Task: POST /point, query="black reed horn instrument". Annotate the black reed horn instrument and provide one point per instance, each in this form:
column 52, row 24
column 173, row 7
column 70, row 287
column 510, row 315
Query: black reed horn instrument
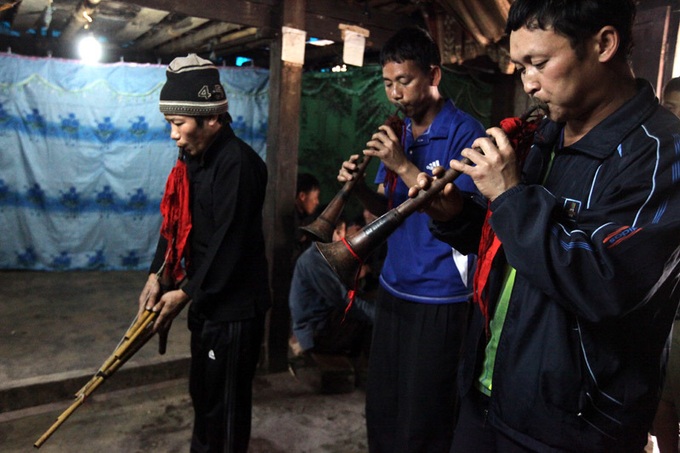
column 321, row 229
column 346, row 257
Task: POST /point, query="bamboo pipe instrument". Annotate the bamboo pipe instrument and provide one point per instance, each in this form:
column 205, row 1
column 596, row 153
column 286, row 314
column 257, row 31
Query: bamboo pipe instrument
column 135, row 337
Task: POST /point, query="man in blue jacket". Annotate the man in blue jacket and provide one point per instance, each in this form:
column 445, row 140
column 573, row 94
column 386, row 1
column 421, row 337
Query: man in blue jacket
column 564, row 349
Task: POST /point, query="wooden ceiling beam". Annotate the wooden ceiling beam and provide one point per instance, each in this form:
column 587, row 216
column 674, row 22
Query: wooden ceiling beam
column 321, row 18
column 324, row 17
column 198, row 40
column 31, row 12
column 243, row 12
column 342, row 12
column 145, row 19
column 167, row 34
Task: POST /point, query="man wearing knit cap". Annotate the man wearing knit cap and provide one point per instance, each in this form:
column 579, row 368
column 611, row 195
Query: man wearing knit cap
column 224, row 258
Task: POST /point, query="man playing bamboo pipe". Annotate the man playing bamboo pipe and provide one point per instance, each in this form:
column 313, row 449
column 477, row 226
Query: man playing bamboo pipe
column 226, row 269
column 420, row 308
column 563, row 351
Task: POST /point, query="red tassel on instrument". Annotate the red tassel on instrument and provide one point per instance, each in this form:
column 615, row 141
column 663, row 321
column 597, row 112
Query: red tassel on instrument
column 520, row 131
column 351, row 294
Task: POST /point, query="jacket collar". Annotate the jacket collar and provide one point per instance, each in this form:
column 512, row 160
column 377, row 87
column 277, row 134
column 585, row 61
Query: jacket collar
column 604, row 138
column 225, row 133
column 440, row 126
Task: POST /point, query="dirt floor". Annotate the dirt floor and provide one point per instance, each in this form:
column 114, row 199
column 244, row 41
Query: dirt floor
column 56, row 330
column 287, row 417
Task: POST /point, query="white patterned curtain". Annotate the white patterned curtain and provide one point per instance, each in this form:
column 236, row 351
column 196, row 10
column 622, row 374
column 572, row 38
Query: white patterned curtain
column 84, row 155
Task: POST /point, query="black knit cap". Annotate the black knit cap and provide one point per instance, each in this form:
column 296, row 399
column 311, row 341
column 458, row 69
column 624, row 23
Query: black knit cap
column 193, row 88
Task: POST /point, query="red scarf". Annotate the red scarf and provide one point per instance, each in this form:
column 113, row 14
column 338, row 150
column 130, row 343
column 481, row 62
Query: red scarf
column 176, row 220
column 520, row 131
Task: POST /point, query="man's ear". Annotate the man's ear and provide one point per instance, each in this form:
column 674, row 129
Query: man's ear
column 608, row 42
column 300, row 197
column 213, row 120
column 435, row 75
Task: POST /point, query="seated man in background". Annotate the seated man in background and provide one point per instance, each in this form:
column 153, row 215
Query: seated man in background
column 307, row 194
column 326, row 334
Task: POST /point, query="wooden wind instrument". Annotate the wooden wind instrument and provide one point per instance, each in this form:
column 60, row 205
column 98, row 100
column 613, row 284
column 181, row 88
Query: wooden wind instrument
column 346, row 257
column 137, row 335
column 321, row 229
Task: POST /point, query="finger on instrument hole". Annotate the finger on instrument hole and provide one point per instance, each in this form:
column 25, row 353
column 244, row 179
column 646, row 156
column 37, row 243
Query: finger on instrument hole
column 413, row 191
column 498, row 136
column 389, row 132
column 423, row 181
column 438, row 171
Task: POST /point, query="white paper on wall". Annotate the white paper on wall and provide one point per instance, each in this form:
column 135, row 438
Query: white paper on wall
column 293, row 50
column 353, row 50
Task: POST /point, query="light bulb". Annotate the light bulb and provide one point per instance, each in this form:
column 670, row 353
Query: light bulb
column 89, row 49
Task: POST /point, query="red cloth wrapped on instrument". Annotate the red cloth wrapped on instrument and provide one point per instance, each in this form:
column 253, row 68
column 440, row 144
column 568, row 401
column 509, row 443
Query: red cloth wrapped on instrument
column 176, row 220
column 520, row 131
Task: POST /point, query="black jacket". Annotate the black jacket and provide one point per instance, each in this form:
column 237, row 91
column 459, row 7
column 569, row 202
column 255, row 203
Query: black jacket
column 596, row 249
column 227, row 273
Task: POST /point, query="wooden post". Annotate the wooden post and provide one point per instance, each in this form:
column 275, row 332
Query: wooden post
column 282, row 161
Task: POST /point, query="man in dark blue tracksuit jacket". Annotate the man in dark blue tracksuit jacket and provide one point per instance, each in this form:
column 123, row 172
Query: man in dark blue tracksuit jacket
column 581, row 295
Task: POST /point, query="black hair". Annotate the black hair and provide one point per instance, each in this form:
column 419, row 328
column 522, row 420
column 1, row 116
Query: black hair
column 222, row 118
column 306, row 182
column 357, row 220
column 411, row 43
column 671, row 86
column 577, row 20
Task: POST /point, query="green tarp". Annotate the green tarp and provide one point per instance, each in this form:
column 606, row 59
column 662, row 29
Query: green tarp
column 340, row 112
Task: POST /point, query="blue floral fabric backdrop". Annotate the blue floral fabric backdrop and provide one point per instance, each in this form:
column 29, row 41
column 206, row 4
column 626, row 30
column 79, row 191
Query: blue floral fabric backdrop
column 84, row 156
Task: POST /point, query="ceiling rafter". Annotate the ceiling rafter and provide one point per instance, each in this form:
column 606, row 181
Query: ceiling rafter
column 200, row 39
column 159, row 30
